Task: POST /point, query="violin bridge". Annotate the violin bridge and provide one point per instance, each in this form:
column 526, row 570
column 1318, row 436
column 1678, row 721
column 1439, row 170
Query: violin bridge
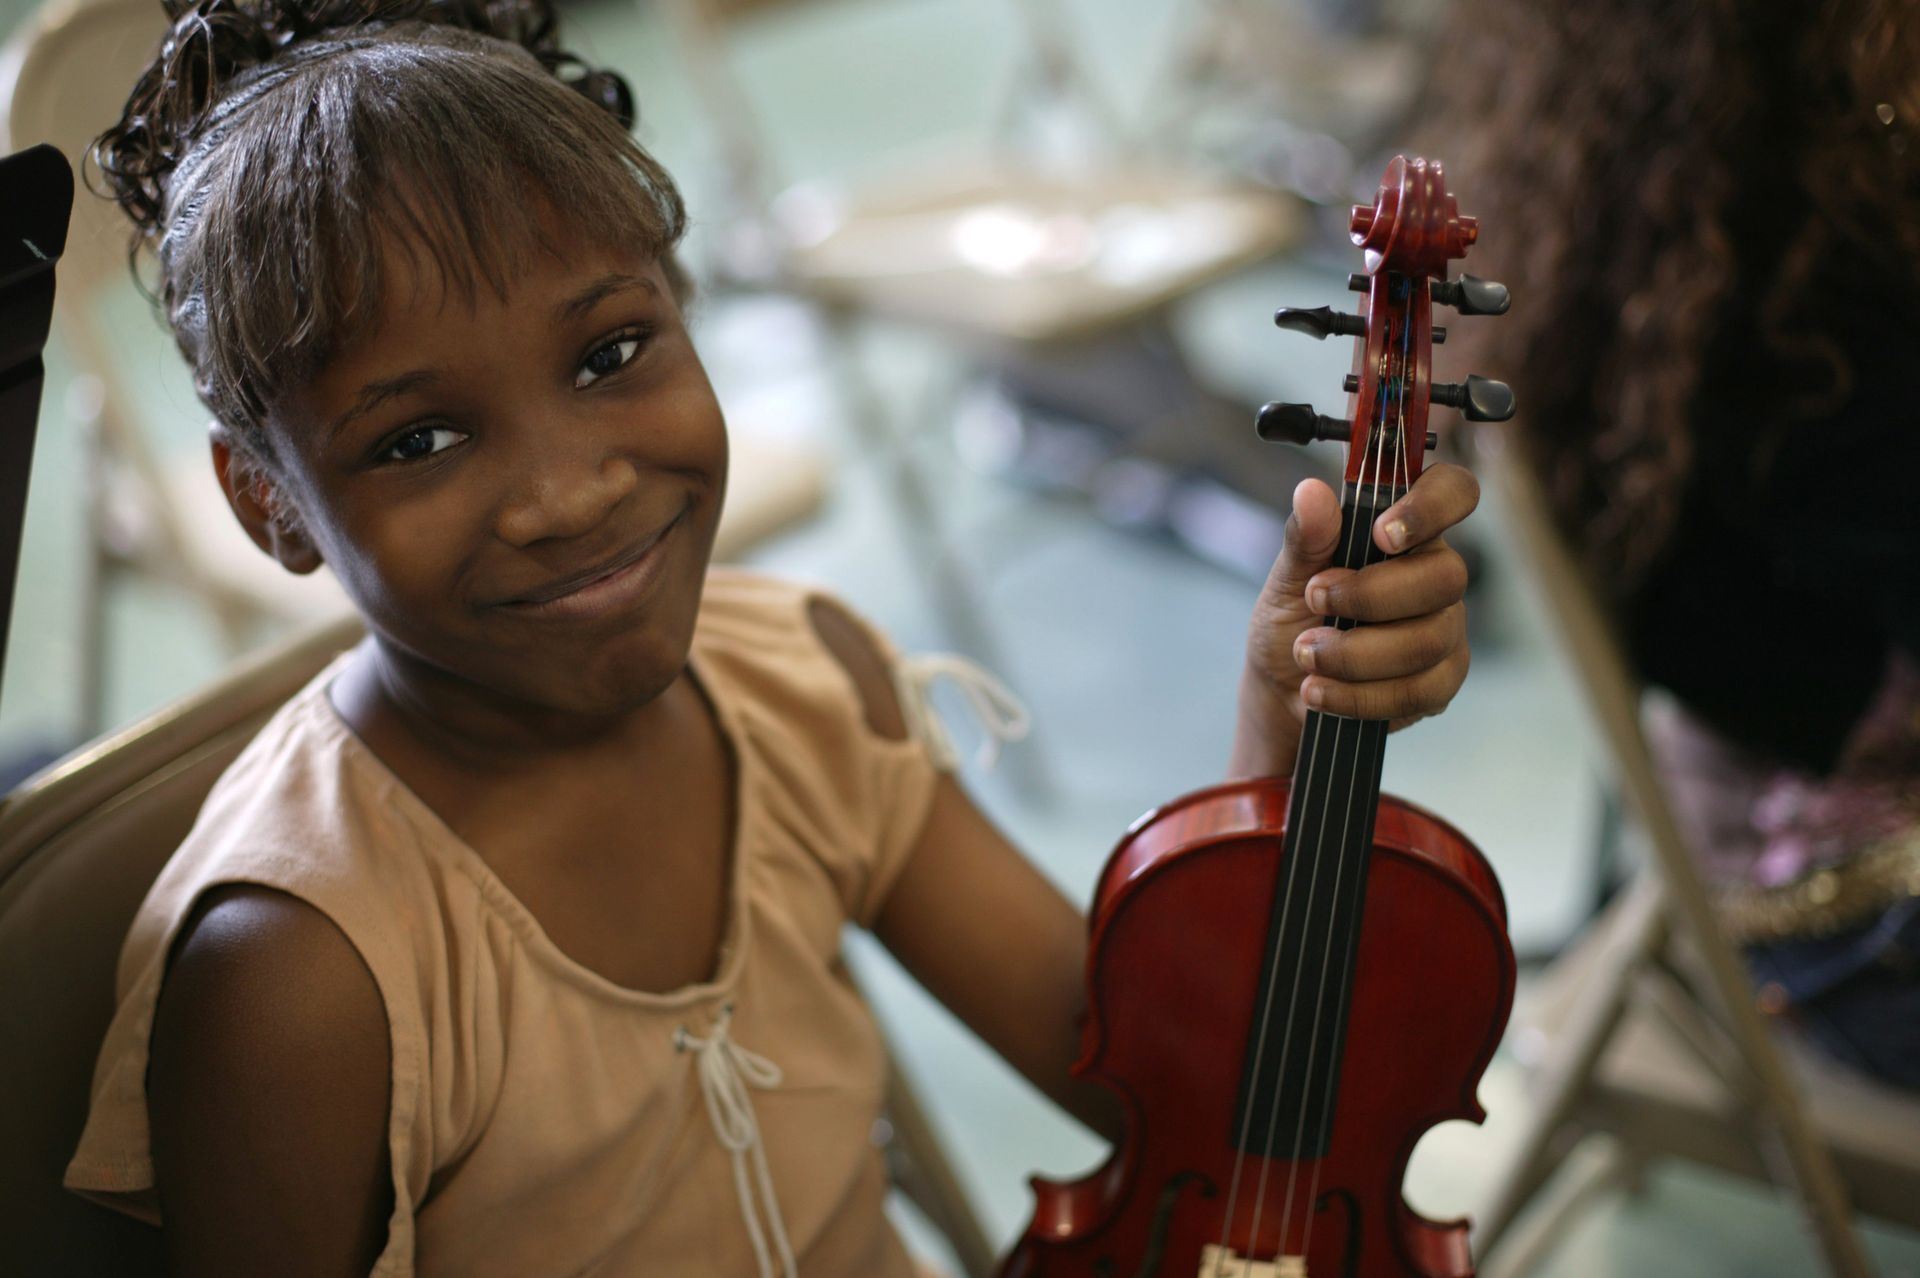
column 1224, row 1262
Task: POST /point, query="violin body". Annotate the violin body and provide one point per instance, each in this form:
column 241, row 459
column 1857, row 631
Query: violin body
column 1290, row 982
column 1178, row 933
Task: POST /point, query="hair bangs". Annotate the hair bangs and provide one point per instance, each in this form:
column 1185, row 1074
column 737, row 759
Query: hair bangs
column 430, row 153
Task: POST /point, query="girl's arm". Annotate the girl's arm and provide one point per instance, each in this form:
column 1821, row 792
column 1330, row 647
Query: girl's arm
column 268, row 1087
column 994, row 940
column 990, row 937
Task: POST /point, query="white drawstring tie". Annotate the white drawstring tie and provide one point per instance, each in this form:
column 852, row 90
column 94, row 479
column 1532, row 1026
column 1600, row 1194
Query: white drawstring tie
column 726, row 1071
column 1000, row 713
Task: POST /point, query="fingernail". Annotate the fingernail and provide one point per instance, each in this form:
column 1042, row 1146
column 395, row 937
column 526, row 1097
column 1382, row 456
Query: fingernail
column 1303, row 655
column 1313, row 693
column 1317, row 598
column 1397, row 534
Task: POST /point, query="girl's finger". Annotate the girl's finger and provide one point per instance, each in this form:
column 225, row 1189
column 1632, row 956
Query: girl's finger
column 1442, row 497
column 1312, row 536
column 1391, row 650
column 1427, row 579
column 1393, row 699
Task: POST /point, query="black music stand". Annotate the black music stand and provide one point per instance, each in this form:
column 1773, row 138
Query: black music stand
column 36, row 197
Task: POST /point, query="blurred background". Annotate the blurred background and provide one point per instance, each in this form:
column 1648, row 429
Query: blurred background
column 1013, row 421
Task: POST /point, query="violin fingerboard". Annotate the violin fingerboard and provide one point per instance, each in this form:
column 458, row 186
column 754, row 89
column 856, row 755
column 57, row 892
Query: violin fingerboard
column 1296, row 1035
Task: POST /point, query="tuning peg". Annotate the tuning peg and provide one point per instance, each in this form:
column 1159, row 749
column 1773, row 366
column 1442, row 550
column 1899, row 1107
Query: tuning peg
column 1359, row 283
column 1439, row 335
column 1352, row 384
column 1473, row 296
column 1479, row 399
column 1298, row 424
column 1320, row 321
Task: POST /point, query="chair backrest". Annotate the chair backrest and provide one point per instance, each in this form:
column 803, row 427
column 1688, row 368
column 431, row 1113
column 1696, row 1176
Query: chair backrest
column 79, row 845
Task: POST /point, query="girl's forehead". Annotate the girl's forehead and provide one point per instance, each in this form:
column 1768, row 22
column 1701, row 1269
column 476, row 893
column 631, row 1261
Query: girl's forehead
column 428, row 273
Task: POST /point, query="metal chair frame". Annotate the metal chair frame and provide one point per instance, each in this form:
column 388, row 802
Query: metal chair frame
column 1658, row 956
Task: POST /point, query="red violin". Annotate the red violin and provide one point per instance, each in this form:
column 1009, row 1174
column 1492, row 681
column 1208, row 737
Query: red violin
column 1289, row 983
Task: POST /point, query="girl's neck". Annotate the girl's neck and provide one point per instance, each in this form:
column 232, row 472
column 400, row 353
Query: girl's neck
column 398, row 704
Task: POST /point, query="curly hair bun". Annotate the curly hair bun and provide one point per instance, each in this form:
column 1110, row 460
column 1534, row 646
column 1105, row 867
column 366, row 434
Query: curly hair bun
column 214, row 46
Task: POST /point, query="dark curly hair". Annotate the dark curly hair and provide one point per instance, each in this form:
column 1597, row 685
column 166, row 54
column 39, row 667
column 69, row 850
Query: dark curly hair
column 275, row 150
column 1663, row 176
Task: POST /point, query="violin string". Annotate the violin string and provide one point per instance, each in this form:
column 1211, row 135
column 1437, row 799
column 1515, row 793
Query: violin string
column 1294, row 870
column 1400, row 470
column 1340, row 858
column 1316, row 858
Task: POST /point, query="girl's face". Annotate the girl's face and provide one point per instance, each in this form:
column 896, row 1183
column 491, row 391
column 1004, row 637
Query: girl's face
column 521, row 492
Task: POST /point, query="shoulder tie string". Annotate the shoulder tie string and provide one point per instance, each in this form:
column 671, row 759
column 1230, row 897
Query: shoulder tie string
column 726, row 1070
column 1000, row 713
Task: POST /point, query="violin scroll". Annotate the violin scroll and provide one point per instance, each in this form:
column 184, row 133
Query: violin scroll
column 1409, row 235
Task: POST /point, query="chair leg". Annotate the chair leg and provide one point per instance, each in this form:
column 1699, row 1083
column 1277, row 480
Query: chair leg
column 1795, row 1151
column 1792, row 1149
column 1574, row 1052
column 1595, row 1168
column 926, row 1176
column 94, row 655
column 910, row 494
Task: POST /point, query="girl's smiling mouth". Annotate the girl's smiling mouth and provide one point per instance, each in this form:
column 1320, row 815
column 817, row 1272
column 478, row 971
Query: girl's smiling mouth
column 603, row 589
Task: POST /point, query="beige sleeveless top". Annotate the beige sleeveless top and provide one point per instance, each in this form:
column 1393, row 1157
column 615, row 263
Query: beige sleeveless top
column 545, row 1121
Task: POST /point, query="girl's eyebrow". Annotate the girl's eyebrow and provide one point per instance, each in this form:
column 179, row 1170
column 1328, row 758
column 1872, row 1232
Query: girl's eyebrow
column 374, row 394
column 598, row 291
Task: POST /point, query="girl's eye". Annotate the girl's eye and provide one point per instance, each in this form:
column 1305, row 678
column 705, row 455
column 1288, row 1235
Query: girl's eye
column 608, row 358
column 422, row 442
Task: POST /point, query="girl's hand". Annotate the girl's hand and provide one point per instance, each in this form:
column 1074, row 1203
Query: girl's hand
column 1405, row 664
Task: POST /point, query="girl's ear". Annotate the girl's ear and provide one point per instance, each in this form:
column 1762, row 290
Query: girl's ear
column 259, row 505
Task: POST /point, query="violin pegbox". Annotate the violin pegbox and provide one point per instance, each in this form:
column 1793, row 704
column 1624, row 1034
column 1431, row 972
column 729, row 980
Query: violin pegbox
column 1408, row 235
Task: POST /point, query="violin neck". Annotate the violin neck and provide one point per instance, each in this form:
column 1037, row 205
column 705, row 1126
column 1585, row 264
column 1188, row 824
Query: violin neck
column 1290, row 1080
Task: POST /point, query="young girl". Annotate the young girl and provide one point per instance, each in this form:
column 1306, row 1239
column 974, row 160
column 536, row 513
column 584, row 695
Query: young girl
column 510, row 946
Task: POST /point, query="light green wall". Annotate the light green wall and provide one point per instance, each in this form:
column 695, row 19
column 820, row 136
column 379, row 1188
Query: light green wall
column 11, row 14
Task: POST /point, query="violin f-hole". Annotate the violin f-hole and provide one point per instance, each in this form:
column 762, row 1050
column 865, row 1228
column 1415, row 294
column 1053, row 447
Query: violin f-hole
column 1156, row 1248
column 1350, row 1267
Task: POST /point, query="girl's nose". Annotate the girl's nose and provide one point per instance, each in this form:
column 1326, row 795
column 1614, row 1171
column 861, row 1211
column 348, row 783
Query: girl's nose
column 563, row 500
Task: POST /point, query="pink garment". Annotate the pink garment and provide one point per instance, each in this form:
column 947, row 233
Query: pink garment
column 1755, row 822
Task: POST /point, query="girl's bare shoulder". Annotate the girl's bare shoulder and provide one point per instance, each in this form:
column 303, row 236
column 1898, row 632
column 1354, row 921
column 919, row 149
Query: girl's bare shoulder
column 268, row 1091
